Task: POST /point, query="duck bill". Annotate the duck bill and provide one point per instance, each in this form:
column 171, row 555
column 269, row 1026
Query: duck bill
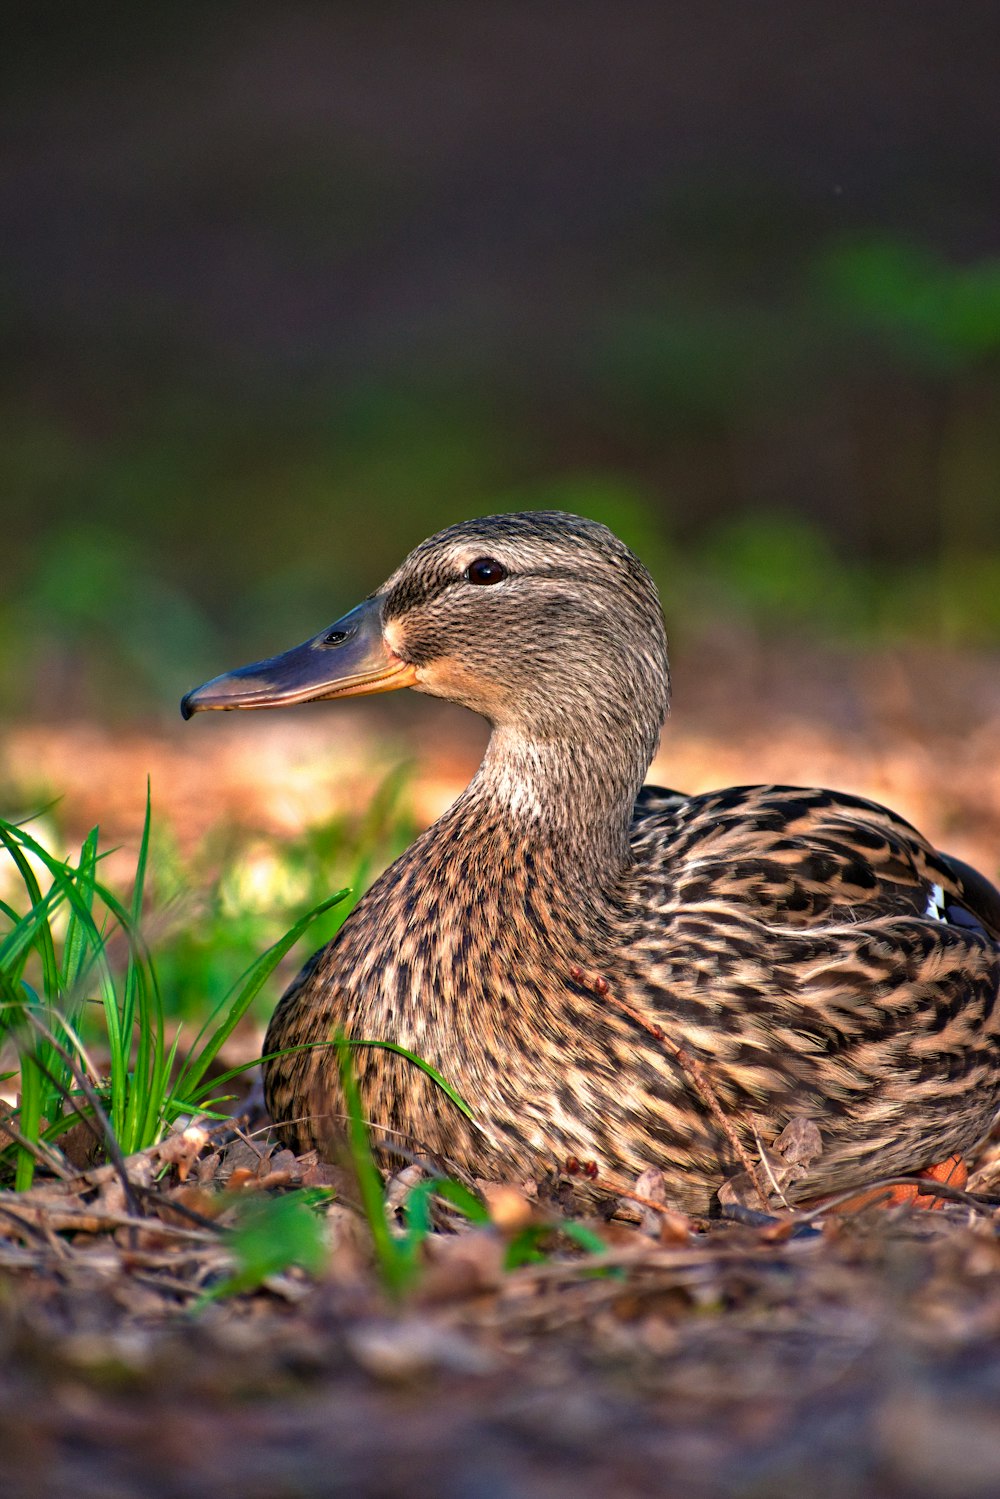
column 348, row 659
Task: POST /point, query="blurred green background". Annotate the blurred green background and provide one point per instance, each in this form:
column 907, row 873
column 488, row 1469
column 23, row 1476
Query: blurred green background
column 285, row 287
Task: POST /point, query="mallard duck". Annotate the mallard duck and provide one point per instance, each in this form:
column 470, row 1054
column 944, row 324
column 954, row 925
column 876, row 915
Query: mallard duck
column 609, row 973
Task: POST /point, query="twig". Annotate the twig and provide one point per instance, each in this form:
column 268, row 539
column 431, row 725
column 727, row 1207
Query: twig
column 45, row 1210
column 39, row 1230
column 248, row 1141
column 762, row 1153
column 167, row 1283
column 159, row 1153
column 926, row 1186
column 158, row 1200
column 40, row 1149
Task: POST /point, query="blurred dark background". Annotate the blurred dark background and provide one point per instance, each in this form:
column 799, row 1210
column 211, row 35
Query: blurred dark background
column 284, row 287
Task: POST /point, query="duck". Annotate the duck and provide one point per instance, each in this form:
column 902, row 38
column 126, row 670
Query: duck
column 614, row 976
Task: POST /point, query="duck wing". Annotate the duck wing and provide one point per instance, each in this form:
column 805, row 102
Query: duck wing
column 803, row 858
column 823, row 960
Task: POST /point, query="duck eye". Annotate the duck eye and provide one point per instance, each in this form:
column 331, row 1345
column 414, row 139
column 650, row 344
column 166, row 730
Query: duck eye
column 485, row 570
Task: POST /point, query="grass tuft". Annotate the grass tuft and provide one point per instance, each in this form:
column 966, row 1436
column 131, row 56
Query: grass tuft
column 77, row 981
column 83, row 1020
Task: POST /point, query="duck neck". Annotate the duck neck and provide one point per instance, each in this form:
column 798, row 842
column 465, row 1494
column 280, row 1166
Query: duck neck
column 567, row 801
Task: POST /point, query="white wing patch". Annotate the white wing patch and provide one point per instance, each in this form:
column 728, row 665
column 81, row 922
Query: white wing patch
column 935, row 904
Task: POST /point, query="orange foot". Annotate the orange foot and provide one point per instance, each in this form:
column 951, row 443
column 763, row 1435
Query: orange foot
column 953, row 1172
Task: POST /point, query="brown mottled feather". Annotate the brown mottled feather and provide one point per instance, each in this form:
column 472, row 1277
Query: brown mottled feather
column 780, row 935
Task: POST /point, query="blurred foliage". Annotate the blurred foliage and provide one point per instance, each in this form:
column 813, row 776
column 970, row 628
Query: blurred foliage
column 941, row 317
column 217, row 909
column 151, row 546
column 75, row 976
column 271, row 1235
column 77, row 971
column 212, row 911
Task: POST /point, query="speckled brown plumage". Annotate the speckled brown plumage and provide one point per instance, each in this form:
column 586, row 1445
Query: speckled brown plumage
column 809, row 948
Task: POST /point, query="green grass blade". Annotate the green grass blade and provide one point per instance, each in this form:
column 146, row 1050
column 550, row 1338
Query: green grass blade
column 271, row 1235
column 29, row 1120
column 127, row 1086
column 394, row 1262
column 75, row 945
column 418, row 1213
column 425, row 1067
column 18, row 945
column 42, row 942
column 12, row 1000
column 200, row 1057
column 460, row 1197
column 34, row 931
column 219, row 1079
column 132, row 973
column 162, row 1106
column 142, row 1006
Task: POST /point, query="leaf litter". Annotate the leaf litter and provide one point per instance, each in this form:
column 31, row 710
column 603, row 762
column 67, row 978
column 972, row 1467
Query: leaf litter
column 234, row 1335
column 729, row 1357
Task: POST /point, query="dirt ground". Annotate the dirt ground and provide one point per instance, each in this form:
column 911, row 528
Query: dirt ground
column 859, row 1357
column 862, row 1359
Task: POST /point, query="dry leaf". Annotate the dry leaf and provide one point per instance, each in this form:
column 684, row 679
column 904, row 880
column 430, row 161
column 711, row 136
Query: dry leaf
column 800, row 1143
column 461, row 1265
column 509, row 1209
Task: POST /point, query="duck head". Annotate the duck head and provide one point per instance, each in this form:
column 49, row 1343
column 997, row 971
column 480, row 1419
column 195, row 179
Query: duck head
column 544, row 623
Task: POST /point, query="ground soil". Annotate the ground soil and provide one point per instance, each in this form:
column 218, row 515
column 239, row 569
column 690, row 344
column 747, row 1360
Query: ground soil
column 859, row 1357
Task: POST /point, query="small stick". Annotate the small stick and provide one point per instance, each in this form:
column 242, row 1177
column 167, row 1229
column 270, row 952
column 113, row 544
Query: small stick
column 43, row 1153
column 926, row 1186
column 762, row 1153
column 29, row 1228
